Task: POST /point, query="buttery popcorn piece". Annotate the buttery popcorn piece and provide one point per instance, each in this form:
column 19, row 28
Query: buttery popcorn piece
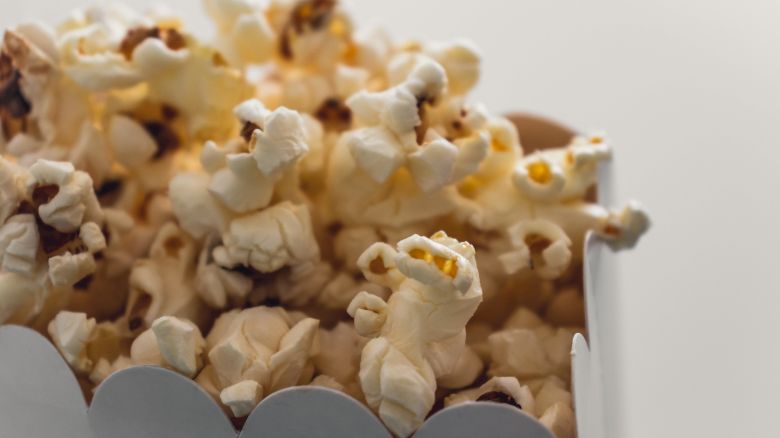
column 436, row 290
column 262, row 345
column 170, row 342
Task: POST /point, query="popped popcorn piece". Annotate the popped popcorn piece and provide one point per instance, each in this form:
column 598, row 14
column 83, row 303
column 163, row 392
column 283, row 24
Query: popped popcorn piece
column 559, row 418
column 311, row 32
column 218, row 286
column 19, row 241
column 538, row 245
column 398, row 128
column 528, row 348
column 435, row 291
column 71, row 332
column 270, row 239
column 170, row 342
column 73, row 201
column 506, row 390
column 278, row 142
column 461, row 60
column 338, row 357
column 327, row 382
column 67, row 269
column 20, row 298
column 111, row 49
column 242, row 397
column 198, row 212
column 552, row 392
column 43, row 255
column 567, row 308
column 244, row 34
column 467, row 369
column 262, row 345
column 104, row 368
column 163, row 284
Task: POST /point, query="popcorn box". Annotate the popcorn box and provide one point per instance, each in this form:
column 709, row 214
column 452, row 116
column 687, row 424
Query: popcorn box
column 40, row 396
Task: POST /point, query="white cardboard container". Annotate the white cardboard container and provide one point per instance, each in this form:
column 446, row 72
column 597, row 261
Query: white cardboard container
column 40, row 397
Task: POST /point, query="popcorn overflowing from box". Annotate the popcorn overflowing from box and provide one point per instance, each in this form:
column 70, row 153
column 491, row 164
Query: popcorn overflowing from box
column 297, row 202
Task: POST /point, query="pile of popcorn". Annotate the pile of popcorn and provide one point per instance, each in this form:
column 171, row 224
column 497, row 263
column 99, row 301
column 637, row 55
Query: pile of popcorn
column 297, row 202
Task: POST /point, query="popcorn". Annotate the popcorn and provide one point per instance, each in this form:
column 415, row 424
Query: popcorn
column 527, row 348
column 260, row 345
column 163, row 284
column 435, row 291
column 560, row 420
column 88, row 346
column 170, row 342
column 20, row 298
column 338, row 359
column 218, row 286
column 461, row 60
column 71, row 197
column 244, row 33
column 220, row 208
column 19, row 241
column 67, row 269
column 242, row 397
column 506, row 390
column 70, row 333
column 538, row 245
column 467, row 369
column 268, row 240
column 50, row 236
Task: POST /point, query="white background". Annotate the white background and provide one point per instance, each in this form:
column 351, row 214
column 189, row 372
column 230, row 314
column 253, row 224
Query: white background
column 689, row 92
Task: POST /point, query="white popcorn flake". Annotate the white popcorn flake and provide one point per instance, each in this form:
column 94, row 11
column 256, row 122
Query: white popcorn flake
column 539, row 178
column 131, row 143
column 20, row 298
column 280, row 143
column 551, row 393
column 626, row 226
column 92, row 236
column 74, row 201
column 271, row 238
column 432, row 166
column 241, row 186
column 19, row 241
column 461, row 59
column 538, row 245
column 520, row 353
column 242, row 397
column 68, row 269
column 180, row 344
column 506, row 390
column 374, row 150
column 559, row 418
column 162, row 284
column 198, row 211
column 262, row 345
column 71, row 332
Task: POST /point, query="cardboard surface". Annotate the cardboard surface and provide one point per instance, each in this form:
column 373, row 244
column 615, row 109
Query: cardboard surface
column 148, row 401
column 39, row 395
column 481, row 419
column 312, row 412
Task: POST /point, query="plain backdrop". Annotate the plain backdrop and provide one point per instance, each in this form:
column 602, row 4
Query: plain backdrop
column 689, row 93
